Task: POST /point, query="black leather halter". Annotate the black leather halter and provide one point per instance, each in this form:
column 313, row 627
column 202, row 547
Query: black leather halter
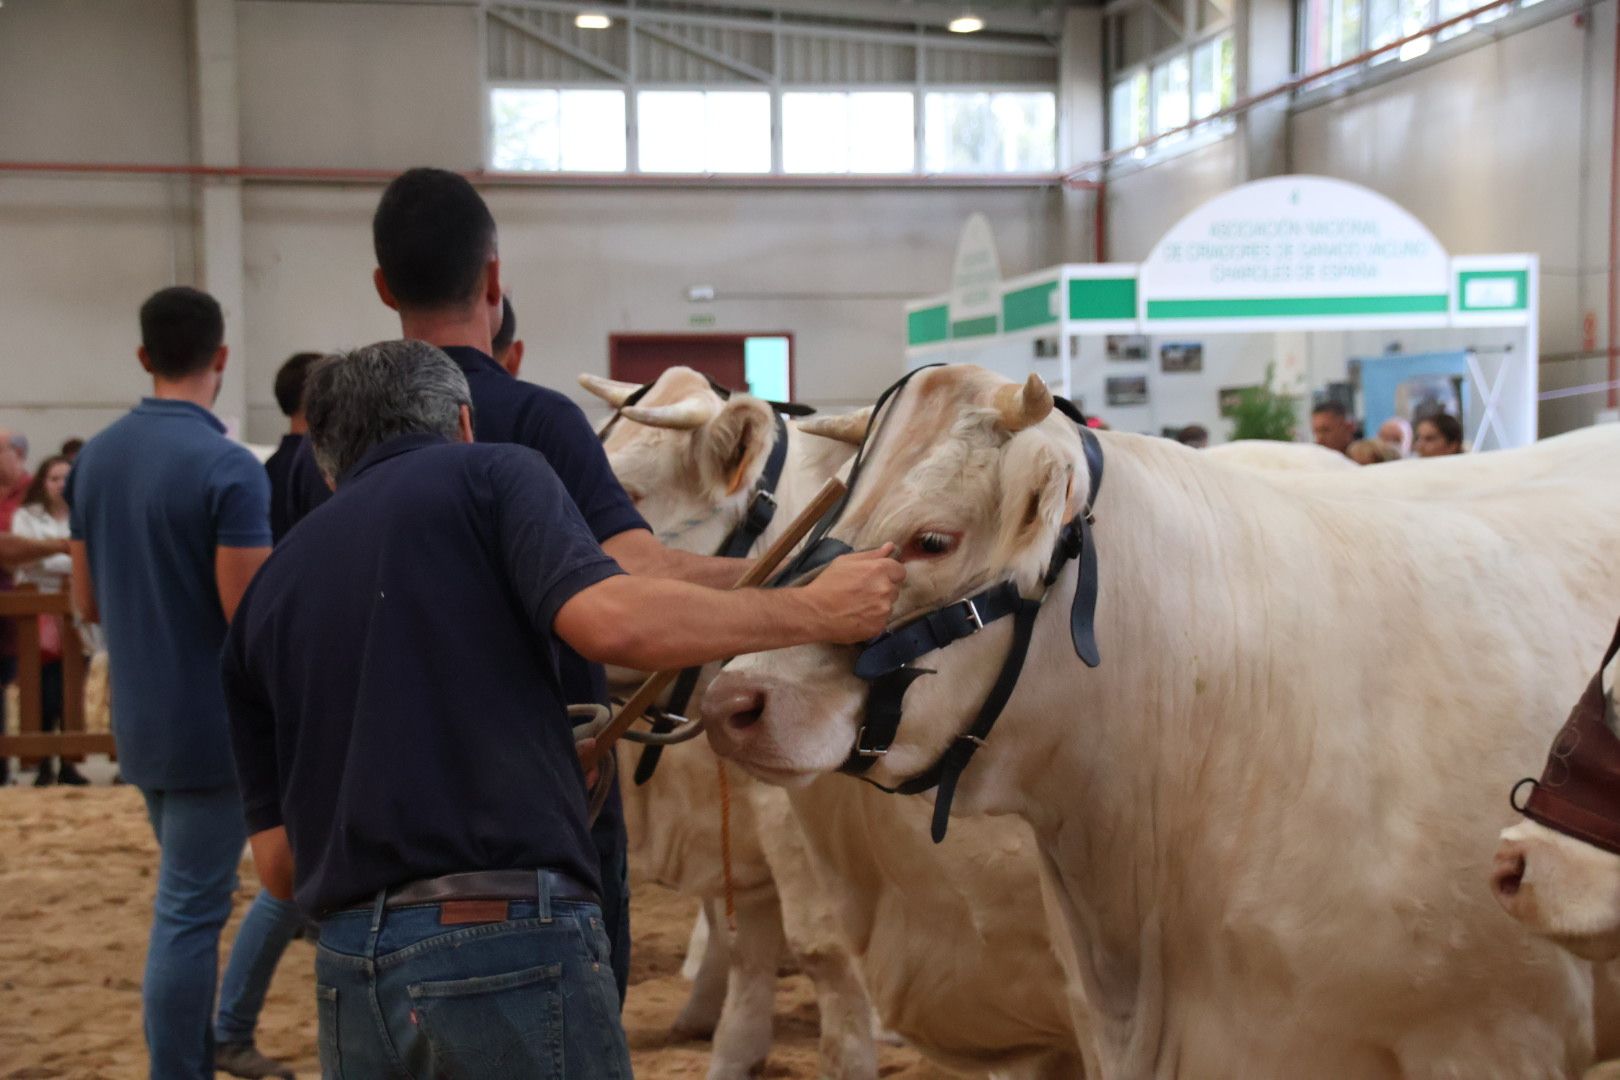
column 755, row 520
column 885, row 662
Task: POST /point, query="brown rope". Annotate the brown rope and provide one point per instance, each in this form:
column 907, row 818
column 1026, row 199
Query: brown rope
column 725, row 847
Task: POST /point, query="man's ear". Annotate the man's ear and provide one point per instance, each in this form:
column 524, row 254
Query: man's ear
column 465, row 422
column 144, row 358
column 493, row 296
column 384, row 293
column 736, row 443
column 220, row 356
column 514, row 358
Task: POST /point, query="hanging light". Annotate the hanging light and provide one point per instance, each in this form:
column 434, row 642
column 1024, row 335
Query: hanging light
column 965, row 23
column 592, row 20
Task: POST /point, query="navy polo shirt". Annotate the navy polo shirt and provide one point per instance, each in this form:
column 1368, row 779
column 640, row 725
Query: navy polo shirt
column 306, row 486
column 280, row 467
column 392, row 678
column 153, row 497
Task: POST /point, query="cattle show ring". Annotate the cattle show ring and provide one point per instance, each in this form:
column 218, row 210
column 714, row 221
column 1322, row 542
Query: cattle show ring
column 872, row 539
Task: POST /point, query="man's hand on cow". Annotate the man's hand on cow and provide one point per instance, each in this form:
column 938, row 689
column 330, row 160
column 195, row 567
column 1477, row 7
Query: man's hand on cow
column 855, row 594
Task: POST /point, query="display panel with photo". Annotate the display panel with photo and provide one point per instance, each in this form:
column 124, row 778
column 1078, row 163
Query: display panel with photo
column 1127, row 390
column 1230, row 397
column 1126, row 347
column 1181, row 356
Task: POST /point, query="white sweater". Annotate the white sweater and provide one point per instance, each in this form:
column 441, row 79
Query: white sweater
column 48, row 574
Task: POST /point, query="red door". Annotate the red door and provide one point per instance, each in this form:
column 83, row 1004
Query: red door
column 641, row 358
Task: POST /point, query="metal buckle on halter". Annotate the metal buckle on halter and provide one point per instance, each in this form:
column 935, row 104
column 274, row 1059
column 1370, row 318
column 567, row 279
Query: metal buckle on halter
column 863, row 751
column 972, row 612
column 761, row 509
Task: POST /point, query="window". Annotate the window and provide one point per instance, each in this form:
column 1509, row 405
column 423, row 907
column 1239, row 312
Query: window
column 1333, row 31
column 987, row 132
column 1188, row 84
column 551, row 130
column 863, row 132
column 1128, row 115
column 703, row 131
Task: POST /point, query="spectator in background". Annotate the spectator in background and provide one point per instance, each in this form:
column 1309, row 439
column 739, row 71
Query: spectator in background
column 1397, row 433
column 1193, row 435
column 43, row 515
column 1371, row 452
column 170, row 521
column 1438, row 436
column 16, row 551
column 70, row 449
column 508, row 347
column 290, row 397
column 1332, row 426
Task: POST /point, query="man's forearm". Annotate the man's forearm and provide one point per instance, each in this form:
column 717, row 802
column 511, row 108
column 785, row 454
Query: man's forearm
column 655, row 624
column 272, row 858
column 641, row 553
column 18, row 551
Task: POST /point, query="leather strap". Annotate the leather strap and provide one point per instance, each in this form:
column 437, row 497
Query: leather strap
column 936, row 629
column 484, row 885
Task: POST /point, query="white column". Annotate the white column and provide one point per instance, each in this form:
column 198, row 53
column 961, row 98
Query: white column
column 219, row 201
column 1081, row 133
column 1264, row 37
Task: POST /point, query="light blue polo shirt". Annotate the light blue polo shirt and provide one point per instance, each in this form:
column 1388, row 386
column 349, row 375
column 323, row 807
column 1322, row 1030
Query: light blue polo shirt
column 152, row 497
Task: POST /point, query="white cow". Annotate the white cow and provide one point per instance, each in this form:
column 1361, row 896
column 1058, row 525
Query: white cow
column 952, row 943
column 1267, row 815
column 1269, row 455
column 1560, row 887
column 690, row 461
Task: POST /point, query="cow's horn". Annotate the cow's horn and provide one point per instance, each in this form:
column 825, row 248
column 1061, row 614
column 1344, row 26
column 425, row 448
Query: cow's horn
column 685, row 415
column 1024, row 406
column 612, row 391
column 847, row 427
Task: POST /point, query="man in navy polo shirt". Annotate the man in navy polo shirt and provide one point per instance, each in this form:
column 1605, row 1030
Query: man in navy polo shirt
column 289, row 389
column 170, row 520
column 408, row 769
column 438, row 266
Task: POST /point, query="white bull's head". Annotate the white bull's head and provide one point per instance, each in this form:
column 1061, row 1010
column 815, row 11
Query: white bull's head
column 1559, row 887
column 972, row 477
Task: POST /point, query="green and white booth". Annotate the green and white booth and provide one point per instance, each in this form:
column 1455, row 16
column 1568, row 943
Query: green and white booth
column 1330, row 284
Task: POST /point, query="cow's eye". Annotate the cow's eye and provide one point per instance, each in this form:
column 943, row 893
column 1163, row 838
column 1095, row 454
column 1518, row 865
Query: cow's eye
column 930, row 544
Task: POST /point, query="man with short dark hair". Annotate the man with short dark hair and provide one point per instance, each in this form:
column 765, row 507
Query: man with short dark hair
column 1332, row 426
column 289, row 388
column 1193, row 435
column 438, row 266
column 170, row 521
column 408, row 770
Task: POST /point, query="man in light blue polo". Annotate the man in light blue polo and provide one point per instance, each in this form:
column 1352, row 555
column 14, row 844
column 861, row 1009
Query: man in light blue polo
column 170, row 521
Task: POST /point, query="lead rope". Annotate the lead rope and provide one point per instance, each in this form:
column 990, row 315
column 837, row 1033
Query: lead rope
column 725, row 847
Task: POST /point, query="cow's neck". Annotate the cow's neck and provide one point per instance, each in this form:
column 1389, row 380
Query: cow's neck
column 1138, row 776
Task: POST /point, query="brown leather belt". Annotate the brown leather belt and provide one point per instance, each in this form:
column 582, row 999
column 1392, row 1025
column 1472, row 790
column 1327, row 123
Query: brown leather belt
column 486, row 885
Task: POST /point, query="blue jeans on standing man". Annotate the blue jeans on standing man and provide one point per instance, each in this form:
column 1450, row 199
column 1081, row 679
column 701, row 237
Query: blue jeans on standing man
column 200, row 836
column 400, row 995
column 266, row 930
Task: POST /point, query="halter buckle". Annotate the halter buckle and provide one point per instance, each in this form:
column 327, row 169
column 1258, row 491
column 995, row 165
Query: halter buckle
column 972, row 610
column 861, row 750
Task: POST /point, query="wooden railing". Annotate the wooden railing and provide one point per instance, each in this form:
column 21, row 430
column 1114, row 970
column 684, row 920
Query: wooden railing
column 23, row 607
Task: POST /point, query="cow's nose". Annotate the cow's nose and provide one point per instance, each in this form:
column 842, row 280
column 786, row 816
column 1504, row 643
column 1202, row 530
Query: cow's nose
column 731, row 708
column 1507, row 875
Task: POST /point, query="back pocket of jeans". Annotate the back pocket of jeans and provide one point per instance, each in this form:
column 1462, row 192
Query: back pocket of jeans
column 326, row 1017
column 494, row 1025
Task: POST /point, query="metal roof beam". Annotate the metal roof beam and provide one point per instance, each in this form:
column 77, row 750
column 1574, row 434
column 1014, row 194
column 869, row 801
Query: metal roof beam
column 551, row 41
column 703, row 52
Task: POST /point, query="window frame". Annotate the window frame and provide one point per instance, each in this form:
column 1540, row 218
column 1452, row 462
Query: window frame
column 918, row 89
column 1512, row 17
column 1207, row 131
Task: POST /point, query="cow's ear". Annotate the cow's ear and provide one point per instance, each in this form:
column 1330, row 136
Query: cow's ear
column 1037, row 482
column 736, row 444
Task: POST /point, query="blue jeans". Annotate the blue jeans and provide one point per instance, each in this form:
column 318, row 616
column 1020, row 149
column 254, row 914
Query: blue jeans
column 399, row 995
column 266, row 930
column 200, row 836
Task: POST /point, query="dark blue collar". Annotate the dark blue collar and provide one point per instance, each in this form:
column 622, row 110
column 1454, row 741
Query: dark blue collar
column 170, row 407
column 472, row 360
column 391, row 448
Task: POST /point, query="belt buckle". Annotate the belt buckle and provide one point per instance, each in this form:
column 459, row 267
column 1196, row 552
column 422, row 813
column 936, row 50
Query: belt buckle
column 865, row 751
column 972, row 612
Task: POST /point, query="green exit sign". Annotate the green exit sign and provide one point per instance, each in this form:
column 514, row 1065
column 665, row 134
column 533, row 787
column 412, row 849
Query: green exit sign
column 705, row 319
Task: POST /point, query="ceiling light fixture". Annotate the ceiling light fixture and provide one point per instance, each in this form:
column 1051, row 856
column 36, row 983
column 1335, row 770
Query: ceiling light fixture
column 592, row 20
column 966, row 23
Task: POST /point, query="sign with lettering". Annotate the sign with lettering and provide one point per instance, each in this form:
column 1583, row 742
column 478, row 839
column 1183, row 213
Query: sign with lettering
column 976, row 281
column 1309, row 248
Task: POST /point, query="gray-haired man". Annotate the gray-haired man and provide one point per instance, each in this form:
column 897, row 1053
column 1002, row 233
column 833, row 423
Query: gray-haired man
column 408, row 770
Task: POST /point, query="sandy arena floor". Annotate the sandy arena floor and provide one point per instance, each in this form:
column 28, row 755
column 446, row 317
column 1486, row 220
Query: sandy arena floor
column 76, row 881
